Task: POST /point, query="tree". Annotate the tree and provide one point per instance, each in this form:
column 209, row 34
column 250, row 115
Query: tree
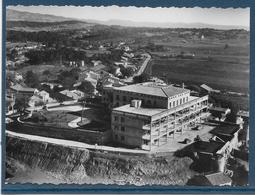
column 87, row 87
column 21, row 104
column 31, row 79
column 126, row 71
column 144, row 77
column 234, row 109
column 68, row 78
column 46, row 72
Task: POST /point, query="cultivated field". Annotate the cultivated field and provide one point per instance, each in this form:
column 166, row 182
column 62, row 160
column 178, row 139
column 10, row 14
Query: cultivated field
column 223, row 64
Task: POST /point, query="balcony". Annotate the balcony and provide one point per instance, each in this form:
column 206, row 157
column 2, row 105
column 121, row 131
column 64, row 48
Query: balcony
column 145, row 147
column 146, row 127
column 146, row 136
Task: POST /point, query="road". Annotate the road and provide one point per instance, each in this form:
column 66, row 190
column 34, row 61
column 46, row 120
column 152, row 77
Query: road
column 68, row 143
column 144, row 65
column 141, row 69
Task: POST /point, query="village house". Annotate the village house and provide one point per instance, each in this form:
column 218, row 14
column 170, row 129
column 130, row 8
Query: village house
column 219, row 113
column 74, row 94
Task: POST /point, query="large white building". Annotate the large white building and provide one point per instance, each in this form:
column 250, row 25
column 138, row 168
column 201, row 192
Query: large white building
column 147, row 115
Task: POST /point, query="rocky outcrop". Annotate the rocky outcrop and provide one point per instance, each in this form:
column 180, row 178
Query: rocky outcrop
column 76, row 165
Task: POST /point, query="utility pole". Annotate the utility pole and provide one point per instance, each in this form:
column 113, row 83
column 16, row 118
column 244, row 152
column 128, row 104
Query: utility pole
column 83, row 109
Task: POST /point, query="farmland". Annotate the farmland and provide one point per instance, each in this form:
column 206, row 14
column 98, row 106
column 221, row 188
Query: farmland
column 222, row 64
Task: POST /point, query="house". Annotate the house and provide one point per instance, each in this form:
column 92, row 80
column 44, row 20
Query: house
column 45, row 96
column 96, row 62
column 219, row 113
column 74, row 94
column 212, row 179
column 117, row 71
column 21, row 91
column 215, row 152
column 35, row 100
column 206, row 89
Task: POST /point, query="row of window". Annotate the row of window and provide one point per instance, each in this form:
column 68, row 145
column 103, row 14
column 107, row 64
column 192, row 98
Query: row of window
column 149, row 102
column 116, row 118
column 178, row 102
column 139, row 94
column 116, row 128
column 121, row 138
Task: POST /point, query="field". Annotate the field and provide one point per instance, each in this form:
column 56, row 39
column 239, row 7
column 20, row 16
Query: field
column 39, row 69
column 222, row 64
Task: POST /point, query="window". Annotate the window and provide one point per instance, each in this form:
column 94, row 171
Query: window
column 116, row 137
column 170, row 105
column 124, row 98
column 183, row 100
column 122, row 138
column 122, row 119
column 173, row 103
column 122, row 128
column 186, row 99
column 146, row 142
column 115, row 118
column 117, row 97
column 180, row 101
column 116, row 127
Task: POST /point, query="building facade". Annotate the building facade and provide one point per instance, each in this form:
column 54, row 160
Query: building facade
column 155, row 115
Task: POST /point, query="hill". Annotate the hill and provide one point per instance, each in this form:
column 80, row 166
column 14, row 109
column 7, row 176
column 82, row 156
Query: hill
column 13, row 15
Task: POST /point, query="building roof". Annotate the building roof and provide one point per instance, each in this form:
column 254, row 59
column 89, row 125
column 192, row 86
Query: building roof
column 209, row 147
column 206, row 87
column 225, row 129
column 243, row 113
column 219, row 109
column 217, row 179
column 153, row 89
column 140, row 111
column 20, row 88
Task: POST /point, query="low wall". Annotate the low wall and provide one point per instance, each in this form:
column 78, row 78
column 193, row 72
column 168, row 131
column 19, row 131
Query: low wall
column 81, row 135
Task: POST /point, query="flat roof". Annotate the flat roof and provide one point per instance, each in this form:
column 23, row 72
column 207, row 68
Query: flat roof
column 209, row 147
column 225, row 129
column 140, row 111
column 219, row 109
column 218, row 179
column 153, row 89
column 19, row 87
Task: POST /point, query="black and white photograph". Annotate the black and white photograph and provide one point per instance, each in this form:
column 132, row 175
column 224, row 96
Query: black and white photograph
column 126, row 96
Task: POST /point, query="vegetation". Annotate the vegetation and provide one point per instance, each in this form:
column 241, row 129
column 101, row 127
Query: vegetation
column 31, row 79
column 87, row 88
column 142, row 78
column 21, row 103
column 68, row 78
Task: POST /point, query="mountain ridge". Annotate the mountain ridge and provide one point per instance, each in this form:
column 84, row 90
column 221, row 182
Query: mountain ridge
column 14, row 15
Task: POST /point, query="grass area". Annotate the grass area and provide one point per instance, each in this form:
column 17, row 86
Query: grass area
column 39, row 69
column 52, row 118
column 213, row 64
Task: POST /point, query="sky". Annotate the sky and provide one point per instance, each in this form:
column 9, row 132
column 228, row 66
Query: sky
column 218, row 16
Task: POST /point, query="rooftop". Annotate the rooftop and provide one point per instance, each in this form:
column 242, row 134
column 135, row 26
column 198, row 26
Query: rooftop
column 217, row 179
column 20, row 88
column 226, row 129
column 209, row 147
column 153, row 89
column 140, row 111
column 219, row 109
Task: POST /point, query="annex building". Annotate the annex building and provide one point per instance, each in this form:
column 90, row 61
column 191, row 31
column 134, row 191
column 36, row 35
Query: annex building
column 147, row 115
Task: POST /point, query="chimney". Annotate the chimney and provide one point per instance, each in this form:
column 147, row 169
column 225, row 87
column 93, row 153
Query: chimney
column 136, row 103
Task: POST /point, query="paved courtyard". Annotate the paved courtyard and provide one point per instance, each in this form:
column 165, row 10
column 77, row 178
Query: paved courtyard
column 175, row 143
